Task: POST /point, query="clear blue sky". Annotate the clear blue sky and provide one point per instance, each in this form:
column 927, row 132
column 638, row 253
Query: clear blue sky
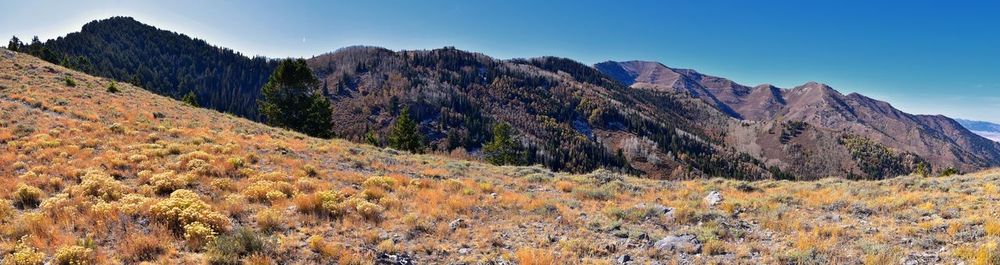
column 929, row 57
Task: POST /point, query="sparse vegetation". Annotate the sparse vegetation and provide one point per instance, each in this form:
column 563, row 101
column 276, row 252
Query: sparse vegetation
column 113, row 87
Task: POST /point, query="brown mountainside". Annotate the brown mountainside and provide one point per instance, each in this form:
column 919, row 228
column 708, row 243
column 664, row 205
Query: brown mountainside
column 937, row 139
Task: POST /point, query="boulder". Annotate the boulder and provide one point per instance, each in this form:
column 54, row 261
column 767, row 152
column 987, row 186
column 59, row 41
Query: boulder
column 714, row 198
column 684, row 244
column 393, row 259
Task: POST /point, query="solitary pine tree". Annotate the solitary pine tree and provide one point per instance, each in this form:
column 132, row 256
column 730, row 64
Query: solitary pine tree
column 291, row 100
column 502, row 150
column 404, row 134
column 191, row 99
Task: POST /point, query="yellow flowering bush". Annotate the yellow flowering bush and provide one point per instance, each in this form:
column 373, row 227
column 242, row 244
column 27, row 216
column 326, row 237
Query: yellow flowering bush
column 197, row 234
column 185, row 207
column 266, row 190
column 169, row 181
column 100, row 185
column 74, row 255
column 24, row 255
column 26, row 196
column 386, row 183
column 369, row 211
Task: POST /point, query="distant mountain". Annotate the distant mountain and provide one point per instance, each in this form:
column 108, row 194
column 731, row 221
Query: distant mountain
column 986, row 129
column 938, row 139
column 165, row 62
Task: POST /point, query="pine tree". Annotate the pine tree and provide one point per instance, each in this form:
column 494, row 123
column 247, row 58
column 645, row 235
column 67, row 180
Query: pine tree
column 404, row 134
column 14, row 44
column 371, row 139
column 502, row 150
column 191, row 99
column 291, row 100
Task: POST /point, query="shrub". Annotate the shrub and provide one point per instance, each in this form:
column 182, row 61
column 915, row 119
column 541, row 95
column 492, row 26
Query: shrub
column 385, row 183
column 199, row 166
column 101, row 185
column 167, row 182
column 197, row 234
column 992, row 228
column 269, row 220
column 949, row 171
column 593, row 193
column 6, row 211
column 113, row 88
column 134, row 204
column 370, row 211
column 565, row 185
column 139, row 247
column 183, row 208
column 325, row 250
column 24, row 255
column 74, row 255
column 229, row 249
column 266, row 190
column 531, row 256
column 69, row 81
column 26, row 196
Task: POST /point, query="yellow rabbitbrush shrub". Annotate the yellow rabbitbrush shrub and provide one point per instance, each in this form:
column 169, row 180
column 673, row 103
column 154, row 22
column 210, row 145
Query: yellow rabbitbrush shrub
column 24, row 255
column 100, row 185
column 183, row 208
column 385, row 183
column 197, row 234
column 323, row 203
column 266, row 190
column 169, row 181
column 26, row 196
column 74, row 255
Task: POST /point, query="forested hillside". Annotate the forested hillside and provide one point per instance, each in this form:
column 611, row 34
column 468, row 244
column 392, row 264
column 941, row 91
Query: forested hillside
column 165, row 62
column 567, row 115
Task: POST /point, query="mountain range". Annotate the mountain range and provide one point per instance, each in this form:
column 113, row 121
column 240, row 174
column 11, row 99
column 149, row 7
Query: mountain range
column 983, row 128
column 635, row 116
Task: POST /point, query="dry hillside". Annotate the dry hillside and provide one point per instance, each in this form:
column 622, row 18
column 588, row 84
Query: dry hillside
column 97, row 172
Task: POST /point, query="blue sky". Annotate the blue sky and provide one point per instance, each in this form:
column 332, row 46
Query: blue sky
column 928, row 57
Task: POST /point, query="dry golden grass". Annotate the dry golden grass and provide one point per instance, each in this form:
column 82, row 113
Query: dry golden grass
column 132, row 177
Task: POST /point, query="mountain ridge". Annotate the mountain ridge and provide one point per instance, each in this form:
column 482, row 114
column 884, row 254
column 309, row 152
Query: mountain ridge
column 821, row 105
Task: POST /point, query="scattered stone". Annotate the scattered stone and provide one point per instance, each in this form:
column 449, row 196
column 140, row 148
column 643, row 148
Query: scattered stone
column 714, row 198
column 624, row 259
column 684, row 243
column 393, row 259
column 833, row 217
column 8, row 54
column 457, row 223
column 464, row 251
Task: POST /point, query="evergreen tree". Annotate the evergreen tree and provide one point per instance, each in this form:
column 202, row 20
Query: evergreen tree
column 502, row 150
column 371, row 139
column 291, row 100
column 191, row 99
column 14, row 44
column 404, row 134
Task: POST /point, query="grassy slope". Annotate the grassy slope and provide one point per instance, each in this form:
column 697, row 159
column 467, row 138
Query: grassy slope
column 104, row 165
